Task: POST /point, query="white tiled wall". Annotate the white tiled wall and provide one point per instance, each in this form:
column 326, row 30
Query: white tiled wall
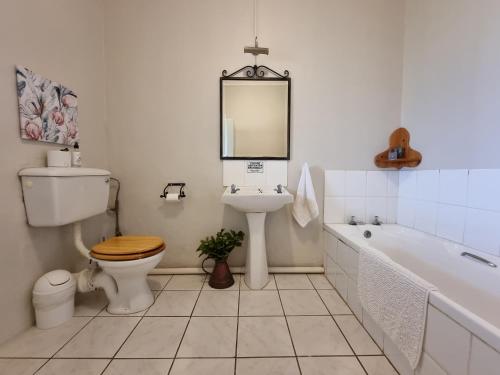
column 459, row 205
column 235, row 172
column 363, row 194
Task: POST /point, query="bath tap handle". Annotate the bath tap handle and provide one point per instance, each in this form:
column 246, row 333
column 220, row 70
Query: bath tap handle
column 353, row 221
column 279, row 189
column 376, row 221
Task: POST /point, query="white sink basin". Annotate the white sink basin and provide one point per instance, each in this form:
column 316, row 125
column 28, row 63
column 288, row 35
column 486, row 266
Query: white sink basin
column 254, row 199
column 256, row 202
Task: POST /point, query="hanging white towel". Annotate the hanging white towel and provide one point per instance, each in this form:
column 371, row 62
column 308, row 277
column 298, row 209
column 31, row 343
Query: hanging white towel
column 396, row 299
column 305, row 207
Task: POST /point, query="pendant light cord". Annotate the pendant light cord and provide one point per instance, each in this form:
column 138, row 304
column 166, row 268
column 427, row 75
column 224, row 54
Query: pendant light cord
column 255, row 19
column 255, row 26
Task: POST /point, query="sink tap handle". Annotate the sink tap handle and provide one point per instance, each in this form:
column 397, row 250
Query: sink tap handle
column 234, row 189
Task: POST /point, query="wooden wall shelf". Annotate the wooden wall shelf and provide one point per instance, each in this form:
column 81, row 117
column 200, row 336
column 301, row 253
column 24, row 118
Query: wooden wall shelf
column 399, row 138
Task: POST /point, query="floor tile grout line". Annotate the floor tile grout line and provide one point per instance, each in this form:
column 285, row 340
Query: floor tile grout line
column 237, row 325
column 67, row 341
column 133, row 329
column 361, row 364
column 338, row 326
column 209, row 357
column 71, row 338
column 340, row 329
column 288, row 326
column 187, row 325
column 43, row 364
column 170, row 279
column 225, row 316
column 356, row 317
column 375, row 355
column 130, row 333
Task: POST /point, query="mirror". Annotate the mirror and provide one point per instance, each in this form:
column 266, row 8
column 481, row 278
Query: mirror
column 255, row 118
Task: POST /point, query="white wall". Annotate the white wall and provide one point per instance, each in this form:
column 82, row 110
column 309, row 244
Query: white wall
column 62, row 40
column 164, row 60
column 452, row 82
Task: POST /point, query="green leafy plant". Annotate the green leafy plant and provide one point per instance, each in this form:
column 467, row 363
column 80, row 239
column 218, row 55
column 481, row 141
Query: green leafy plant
column 220, row 246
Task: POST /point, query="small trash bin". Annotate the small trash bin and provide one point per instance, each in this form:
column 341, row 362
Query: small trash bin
column 54, row 298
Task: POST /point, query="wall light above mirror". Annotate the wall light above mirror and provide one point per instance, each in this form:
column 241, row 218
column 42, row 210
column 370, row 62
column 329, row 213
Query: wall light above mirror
column 255, row 114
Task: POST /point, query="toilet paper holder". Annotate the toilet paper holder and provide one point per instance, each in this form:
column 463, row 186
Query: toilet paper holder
column 174, row 184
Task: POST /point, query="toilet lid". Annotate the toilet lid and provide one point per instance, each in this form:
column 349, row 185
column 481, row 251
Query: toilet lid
column 128, row 246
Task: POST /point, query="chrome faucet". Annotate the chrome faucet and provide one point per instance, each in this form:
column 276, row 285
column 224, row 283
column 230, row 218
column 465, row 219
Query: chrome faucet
column 376, row 221
column 279, row 189
column 353, row 221
column 234, row 189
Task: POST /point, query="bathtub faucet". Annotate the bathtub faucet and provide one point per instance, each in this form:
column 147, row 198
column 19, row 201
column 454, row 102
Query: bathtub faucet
column 353, row 221
column 376, row 221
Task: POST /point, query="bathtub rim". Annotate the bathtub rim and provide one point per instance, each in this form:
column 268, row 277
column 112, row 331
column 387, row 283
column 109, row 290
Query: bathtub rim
column 476, row 325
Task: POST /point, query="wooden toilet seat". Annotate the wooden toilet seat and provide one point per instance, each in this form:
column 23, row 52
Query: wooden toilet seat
column 128, row 248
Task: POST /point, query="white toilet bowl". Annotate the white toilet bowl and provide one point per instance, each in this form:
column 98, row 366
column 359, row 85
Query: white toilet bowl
column 133, row 293
column 125, row 262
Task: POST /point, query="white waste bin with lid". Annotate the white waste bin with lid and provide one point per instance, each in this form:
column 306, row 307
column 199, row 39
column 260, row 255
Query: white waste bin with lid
column 54, row 298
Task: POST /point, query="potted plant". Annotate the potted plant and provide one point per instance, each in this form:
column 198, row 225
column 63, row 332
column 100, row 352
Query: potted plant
column 218, row 248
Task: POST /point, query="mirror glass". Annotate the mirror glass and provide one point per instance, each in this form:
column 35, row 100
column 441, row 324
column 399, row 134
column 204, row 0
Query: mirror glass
column 255, row 118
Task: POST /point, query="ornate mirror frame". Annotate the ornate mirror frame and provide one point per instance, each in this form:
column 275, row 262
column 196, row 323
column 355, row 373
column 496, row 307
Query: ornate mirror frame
column 255, row 73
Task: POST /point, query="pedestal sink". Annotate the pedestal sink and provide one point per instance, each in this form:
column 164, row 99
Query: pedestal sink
column 256, row 202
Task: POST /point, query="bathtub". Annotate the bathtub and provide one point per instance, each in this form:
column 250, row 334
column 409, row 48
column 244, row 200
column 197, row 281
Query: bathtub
column 463, row 325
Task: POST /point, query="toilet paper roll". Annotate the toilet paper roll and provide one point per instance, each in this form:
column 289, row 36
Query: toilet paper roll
column 57, row 158
column 171, row 197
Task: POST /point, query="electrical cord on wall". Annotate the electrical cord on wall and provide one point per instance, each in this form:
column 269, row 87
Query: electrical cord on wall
column 116, row 208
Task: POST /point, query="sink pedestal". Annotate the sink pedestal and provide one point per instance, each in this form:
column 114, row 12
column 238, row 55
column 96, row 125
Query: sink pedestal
column 255, row 202
column 256, row 272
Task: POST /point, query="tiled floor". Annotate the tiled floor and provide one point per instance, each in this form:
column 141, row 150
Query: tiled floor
column 297, row 325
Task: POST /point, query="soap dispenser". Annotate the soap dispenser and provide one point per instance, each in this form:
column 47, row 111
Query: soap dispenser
column 76, row 157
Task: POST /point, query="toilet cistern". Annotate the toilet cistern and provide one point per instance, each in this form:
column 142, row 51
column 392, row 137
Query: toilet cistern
column 255, row 202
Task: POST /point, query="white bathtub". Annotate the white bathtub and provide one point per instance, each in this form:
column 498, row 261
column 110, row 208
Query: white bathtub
column 463, row 328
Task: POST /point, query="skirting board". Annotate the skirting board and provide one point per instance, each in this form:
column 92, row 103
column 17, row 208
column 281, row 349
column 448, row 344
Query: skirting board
column 195, row 271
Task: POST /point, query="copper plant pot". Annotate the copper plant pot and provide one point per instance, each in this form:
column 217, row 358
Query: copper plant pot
column 221, row 277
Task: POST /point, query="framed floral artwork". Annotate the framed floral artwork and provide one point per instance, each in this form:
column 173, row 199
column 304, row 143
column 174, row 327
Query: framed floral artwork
column 48, row 111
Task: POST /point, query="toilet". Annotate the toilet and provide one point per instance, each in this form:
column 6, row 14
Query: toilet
column 57, row 196
column 128, row 260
